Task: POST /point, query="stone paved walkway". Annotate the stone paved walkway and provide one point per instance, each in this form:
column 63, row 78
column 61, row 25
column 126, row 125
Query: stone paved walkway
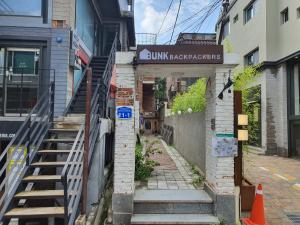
column 280, row 178
column 173, row 172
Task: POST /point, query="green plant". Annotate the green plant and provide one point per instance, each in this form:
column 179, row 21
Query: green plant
column 198, row 181
column 160, row 91
column 143, row 168
column 245, row 76
column 194, row 98
column 251, row 100
column 198, row 178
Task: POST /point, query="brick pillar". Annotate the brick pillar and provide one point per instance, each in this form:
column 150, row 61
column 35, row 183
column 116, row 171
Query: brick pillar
column 220, row 170
column 122, row 200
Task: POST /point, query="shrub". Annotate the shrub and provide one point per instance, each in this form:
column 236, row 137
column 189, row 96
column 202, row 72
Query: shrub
column 143, row 168
column 194, row 98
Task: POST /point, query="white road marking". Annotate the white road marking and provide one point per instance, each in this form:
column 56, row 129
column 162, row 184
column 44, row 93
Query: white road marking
column 282, row 177
column 263, row 168
column 296, row 186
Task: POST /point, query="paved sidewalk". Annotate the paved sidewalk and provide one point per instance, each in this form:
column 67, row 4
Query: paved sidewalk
column 173, row 172
column 280, row 178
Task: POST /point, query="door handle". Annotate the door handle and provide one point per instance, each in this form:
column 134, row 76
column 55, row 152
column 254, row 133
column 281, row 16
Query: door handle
column 9, row 73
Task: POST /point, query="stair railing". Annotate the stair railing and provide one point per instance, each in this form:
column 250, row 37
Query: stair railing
column 72, row 174
column 21, row 150
column 76, row 90
column 76, row 170
column 107, row 74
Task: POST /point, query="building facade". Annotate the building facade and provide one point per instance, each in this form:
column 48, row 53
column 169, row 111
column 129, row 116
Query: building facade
column 264, row 32
column 53, row 40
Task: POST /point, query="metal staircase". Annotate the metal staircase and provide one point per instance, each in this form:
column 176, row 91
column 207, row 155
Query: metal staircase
column 47, row 163
column 101, row 75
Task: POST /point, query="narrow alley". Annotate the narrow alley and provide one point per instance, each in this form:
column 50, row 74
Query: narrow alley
column 171, row 171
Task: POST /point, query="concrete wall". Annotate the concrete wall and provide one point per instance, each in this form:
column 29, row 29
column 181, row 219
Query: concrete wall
column 189, row 137
column 97, row 178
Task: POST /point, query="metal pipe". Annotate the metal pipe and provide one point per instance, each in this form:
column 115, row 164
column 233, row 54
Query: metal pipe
column 86, row 140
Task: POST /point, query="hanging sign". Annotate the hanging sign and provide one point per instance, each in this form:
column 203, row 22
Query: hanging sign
column 124, row 112
column 180, row 54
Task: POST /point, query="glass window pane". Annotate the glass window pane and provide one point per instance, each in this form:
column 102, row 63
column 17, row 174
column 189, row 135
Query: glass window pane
column 296, row 91
column 85, row 23
column 21, row 7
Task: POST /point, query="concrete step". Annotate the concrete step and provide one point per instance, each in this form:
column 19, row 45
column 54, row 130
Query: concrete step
column 174, row 219
column 172, row 202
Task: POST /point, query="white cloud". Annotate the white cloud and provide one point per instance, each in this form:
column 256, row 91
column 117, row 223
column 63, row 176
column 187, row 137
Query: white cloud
column 148, row 18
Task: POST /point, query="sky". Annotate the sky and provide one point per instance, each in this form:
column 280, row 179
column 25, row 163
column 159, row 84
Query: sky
column 149, row 15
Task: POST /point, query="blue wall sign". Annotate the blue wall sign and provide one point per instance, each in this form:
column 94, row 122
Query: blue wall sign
column 124, row 112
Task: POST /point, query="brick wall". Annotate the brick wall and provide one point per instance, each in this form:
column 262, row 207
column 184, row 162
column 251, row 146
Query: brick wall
column 276, row 112
column 64, row 10
column 219, row 170
column 122, row 203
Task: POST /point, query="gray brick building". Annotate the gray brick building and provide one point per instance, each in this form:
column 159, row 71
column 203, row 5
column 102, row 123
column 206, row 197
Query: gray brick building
column 264, row 32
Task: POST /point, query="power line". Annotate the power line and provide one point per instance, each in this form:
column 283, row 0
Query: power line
column 194, row 25
column 165, row 17
column 183, row 21
column 176, row 20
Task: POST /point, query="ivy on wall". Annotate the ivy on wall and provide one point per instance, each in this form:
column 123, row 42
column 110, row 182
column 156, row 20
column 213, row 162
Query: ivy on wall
column 251, row 101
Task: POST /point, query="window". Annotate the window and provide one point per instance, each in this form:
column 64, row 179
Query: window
column 236, row 18
column 249, row 12
column 226, row 29
column 296, row 83
column 21, row 7
column 298, row 13
column 85, row 23
column 252, row 58
column 284, row 16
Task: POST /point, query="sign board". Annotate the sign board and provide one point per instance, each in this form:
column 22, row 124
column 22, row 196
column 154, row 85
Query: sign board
column 180, row 54
column 224, row 145
column 16, row 162
column 124, row 112
column 8, row 129
column 82, row 53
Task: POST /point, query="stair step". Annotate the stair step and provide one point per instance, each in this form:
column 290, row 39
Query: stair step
column 40, row 194
column 54, row 151
column 48, row 164
column 61, row 140
column 172, row 219
column 42, row 178
column 63, row 130
column 35, row 212
column 172, row 202
column 175, row 196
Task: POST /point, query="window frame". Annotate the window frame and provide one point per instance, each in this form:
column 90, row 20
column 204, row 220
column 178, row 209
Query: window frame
column 251, row 5
column 250, row 54
column 284, row 16
column 227, row 21
column 236, row 18
column 43, row 12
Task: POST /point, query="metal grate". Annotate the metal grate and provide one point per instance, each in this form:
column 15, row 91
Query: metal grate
column 295, row 218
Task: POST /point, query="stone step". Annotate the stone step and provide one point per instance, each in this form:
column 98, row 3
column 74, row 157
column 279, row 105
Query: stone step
column 172, row 202
column 174, row 219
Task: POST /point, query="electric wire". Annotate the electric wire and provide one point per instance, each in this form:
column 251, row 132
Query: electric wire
column 179, row 7
column 195, row 26
column 161, row 26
